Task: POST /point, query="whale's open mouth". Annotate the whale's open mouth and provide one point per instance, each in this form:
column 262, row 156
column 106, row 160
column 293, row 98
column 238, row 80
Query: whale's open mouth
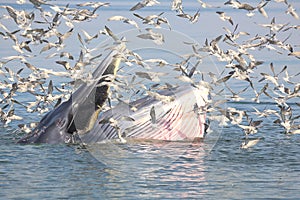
column 172, row 114
column 183, row 119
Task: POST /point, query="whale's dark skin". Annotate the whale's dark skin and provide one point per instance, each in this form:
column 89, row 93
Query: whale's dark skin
column 76, row 114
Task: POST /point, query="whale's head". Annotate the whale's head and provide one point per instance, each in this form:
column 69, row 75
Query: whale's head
column 79, row 113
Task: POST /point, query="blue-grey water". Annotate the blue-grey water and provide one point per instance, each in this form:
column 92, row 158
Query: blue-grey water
column 217, row 168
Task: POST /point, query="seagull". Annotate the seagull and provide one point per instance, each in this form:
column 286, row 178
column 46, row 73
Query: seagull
column 21, row 18
column 273, row 79
column 291, row 10
column 157, row 38
column 88, row 37
column 265, row 112
column 224, row 17
column 235, row 95
column 153, row 76
column 205, row 5
column 251, row 128
column 93, row 4
column 124, row 19
column 295, row 53
column 249, row 143
column 192, row 18
column 238, row 5
column 144, row 3
column 273, row 26
column 176, row 5
column 261, row 9
column 155, row 20
column 38, row 3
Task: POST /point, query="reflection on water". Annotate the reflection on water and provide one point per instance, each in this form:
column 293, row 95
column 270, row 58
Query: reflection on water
column 155, row 170
column 133, row 156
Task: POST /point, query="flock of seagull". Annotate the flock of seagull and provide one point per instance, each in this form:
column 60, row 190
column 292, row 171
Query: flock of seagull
column 38, row 30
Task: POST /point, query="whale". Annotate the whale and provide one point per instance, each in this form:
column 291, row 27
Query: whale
column 180, row 116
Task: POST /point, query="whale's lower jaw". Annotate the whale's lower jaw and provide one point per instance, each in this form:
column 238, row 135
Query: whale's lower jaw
column 174, row 121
